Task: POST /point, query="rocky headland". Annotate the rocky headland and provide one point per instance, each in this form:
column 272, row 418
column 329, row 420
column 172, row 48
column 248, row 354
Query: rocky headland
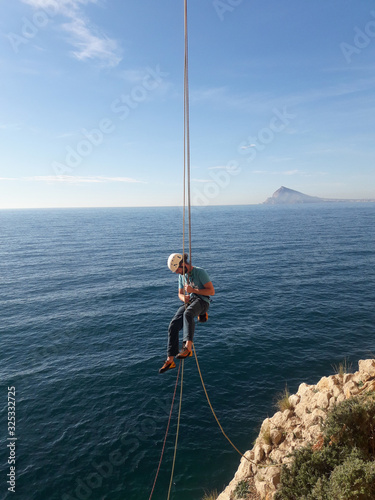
column 295, row 427
column 287, row 196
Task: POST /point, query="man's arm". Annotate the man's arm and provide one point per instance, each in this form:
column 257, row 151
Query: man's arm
column 182, row 296
column 207, row 290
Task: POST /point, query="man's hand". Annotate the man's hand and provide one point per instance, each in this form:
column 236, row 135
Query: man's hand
column 181, row 295
column 189, row 289
column 207, row 290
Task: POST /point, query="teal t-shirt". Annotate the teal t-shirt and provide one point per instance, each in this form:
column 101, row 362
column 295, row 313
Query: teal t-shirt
column 198, row 277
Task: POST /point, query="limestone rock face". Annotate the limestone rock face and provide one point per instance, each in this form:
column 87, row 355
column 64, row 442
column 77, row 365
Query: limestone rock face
column 296, row 427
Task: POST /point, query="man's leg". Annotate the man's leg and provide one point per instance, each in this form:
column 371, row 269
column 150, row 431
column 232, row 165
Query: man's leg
column 173, row 330
column 198, row 306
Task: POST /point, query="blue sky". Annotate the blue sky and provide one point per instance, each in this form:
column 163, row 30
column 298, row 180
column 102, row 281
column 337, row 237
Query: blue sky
column 91, row 114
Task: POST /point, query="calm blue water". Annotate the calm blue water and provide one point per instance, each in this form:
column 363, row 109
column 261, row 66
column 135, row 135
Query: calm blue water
column 85, row 303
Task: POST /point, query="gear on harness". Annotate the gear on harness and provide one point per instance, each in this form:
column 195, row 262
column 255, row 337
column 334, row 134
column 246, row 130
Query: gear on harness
column 202, row 318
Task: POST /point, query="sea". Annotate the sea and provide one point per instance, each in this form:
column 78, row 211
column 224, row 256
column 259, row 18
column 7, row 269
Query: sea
column 86, row 299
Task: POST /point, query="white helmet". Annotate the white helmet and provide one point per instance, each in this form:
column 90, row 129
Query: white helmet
column 174, row 261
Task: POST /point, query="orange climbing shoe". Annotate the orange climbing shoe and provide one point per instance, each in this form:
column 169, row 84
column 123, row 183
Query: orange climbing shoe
column 184, row 353
column 168, row 365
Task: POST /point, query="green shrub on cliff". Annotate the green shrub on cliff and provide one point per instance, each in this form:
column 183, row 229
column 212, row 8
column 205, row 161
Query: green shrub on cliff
column 242, row 489
column 353, row 480
column 352, row 424
column 342, row 465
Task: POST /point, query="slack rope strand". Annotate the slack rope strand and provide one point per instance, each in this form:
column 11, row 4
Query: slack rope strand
column 166, row 432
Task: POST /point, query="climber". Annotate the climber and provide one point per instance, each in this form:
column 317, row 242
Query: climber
column 194, row 290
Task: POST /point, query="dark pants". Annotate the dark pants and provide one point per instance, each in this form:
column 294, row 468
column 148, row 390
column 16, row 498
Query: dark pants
column 184, row 319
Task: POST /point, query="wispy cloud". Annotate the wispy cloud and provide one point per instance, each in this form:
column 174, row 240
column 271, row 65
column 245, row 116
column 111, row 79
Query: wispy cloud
column 289, row 173
column 10, row 126
column 71, row 179
column 219, row 167
column 212, row 94
column 141, row 76
column 134, row 76
column 90, row 44
column 279, row 159
column 259, row 101
column 201, row 180
column 292, row 172
column 249, row 146
column 88, row 41
column 278, row 172
column 57, row 5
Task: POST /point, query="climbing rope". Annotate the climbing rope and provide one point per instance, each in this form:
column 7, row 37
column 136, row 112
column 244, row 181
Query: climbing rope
column 166, row 432
column 186, row 200
column 177, row 431
column 186, row 182
column 213, row 411
column 186, row 190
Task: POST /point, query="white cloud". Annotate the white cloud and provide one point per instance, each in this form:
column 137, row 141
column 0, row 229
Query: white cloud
column 66, row 8
column 134, row 76
column 219, row 167
column 138, row 76
column 214, row 94
column 71, row 179
column 292, row 172
column 88, row 41
column 264, row 102
column 10, row 126
column 279, row 159
column 277, row 172
column 90, row 44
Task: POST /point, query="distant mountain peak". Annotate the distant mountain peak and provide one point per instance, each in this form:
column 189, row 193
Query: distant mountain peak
column 286, row 196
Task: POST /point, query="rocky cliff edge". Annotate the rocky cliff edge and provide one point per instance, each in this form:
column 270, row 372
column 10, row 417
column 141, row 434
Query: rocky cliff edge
column 296, row 427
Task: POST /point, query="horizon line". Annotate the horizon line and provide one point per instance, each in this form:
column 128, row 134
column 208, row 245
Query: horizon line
column 325, row 201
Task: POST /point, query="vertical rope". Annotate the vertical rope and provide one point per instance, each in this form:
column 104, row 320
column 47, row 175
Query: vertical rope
column 187, row 120
column 185, row 182
column 186, row 138
column 177, row 432
column 166, row 432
